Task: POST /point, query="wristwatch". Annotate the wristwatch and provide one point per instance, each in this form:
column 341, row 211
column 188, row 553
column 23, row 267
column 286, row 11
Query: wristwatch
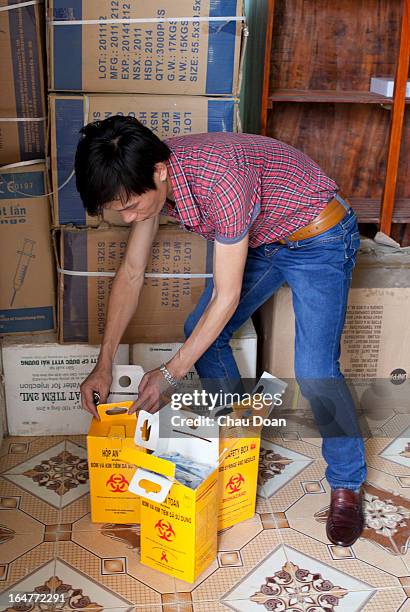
column 167, row 375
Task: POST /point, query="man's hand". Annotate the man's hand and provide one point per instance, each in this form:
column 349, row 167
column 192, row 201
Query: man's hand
column 150, row 390
column 98, row 381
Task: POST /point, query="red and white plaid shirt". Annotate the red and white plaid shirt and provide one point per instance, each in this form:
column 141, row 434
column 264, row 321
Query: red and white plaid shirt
column 226, row 185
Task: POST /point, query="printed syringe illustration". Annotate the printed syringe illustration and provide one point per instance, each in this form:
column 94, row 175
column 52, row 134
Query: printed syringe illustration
column 26, row 255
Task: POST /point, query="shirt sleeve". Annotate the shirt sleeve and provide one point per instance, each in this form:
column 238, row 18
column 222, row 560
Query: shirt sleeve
column 235, row 204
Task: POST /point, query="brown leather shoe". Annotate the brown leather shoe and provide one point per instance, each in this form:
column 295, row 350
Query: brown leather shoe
column 345, row 521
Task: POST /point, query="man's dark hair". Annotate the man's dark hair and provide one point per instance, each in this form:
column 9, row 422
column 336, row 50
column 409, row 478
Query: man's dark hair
column 116, row 158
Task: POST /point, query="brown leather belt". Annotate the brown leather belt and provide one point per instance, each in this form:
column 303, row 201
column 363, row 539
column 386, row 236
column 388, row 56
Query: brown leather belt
column 330, row 216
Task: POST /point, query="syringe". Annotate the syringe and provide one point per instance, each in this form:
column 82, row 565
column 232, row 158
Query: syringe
column 26, row 254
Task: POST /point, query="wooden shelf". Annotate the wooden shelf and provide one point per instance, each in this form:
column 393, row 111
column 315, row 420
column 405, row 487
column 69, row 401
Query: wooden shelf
column 337, row 97
column 313, row 66
column 368, row 210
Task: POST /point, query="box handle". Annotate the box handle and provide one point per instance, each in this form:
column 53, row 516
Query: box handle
column 150, row 485
column 117, row 410
column 147, row 429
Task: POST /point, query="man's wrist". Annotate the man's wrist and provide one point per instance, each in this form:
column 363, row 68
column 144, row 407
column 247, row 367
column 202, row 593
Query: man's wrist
column 105, row 361
column 176, row 369
column 168, row 376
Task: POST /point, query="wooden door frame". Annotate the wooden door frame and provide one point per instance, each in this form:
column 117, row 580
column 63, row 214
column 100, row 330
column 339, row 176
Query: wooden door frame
column 396, row 124
column 266, row 67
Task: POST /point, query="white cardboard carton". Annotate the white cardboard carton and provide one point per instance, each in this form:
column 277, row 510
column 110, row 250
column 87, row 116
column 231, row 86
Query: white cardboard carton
column 125, row 383
column 42, row 384
column 243, row 343
column 385, row 86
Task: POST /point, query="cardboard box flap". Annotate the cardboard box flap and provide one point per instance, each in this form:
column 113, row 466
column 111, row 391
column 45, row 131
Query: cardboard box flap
column 272, row 385
column 266, row 384
column 147, row 461
column 193, row 443
column 114, row 422
column 126, row 379
column 150, row 486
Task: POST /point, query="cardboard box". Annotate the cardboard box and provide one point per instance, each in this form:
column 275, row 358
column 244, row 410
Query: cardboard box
column 178, row 524
column 385, row 86
column 166, row 116
column 111, row 501
column 237, row 478
column 22, row 92
column 27, row 302
column 183, row 58
column 3, row 418
column 42, row 384
column 238, row 450
column 125, row 383
column 243, row 343
column 373, row 344
column 164, row 302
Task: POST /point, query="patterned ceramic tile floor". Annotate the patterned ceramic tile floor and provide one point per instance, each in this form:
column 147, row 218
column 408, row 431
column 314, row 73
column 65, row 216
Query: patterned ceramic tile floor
column 279, row 560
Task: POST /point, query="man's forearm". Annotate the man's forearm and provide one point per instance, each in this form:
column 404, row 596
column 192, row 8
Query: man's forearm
column 208, row 328
column 122, row 304
column 127, row 287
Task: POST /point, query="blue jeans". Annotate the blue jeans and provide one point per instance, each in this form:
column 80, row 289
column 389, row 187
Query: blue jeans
column 318, row 271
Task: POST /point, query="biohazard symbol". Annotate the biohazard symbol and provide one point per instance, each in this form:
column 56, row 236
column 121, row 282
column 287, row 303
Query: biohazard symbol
column 234, row 483
column 117, row 483
column 164, row 556
column 165, row 530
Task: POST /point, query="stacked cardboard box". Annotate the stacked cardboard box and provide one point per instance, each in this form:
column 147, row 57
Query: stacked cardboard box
column 243, row 343
column 86, row 255
column 165, row 115
column 176, row 69
column 179, row 66
column 22, row 95
column 179, row 48
column 42, row 384
column 373, row 344
column 375, row 353
column 27, row 287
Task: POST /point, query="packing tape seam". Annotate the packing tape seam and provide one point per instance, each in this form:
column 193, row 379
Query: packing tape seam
column 239, row 127
column 21, row 5
column 70, row 176
column 147, row 274
column 224, row 19
column 21, row 119
column 245, row 32
column 86, row 101
column 29, row 162
column 36, row 195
